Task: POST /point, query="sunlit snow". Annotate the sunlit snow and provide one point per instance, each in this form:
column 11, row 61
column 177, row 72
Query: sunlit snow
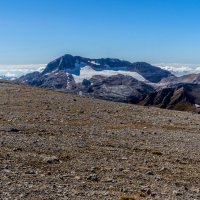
column 87, row 73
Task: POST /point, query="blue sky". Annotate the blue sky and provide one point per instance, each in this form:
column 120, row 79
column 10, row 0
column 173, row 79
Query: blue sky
column 155, row 31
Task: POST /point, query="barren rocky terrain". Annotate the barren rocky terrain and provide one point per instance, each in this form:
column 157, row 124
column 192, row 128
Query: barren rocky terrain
column 55, row 145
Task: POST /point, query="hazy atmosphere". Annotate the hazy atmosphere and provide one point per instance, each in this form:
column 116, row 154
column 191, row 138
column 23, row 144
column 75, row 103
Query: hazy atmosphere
column 154, row 31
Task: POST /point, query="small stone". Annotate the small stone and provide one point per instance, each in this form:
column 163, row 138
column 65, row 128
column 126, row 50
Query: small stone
column 17, row 149
column 146, row 190
column 52, row 160
column 153, row 194
column 93, row 177
column 77, row 177
column 177, row 192
column 126, row 170
column 108, row 180
column 164, row 169
column 150, row 173
column 93, row 169
column 48, row 173
column 14, row 130
column 157, row 178
column 31, row 172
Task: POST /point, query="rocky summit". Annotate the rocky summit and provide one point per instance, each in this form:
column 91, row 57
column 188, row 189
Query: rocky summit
column 56, row 145
column 74, row 64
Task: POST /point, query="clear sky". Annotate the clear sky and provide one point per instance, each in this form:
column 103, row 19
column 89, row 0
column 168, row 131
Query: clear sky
column 37, row 31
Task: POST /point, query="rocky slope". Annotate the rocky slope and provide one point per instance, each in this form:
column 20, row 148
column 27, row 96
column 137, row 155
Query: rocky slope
column 190, row 78
column 117, row 88
column 185, row 97
column 55, row 145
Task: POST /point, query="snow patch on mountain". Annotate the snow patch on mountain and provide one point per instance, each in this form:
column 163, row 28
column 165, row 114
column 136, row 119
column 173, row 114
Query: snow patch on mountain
column 94, row 63
column 88, row 72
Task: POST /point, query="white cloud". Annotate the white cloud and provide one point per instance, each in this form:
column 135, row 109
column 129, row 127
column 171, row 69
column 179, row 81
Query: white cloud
column 19, row 70
column 180, row 69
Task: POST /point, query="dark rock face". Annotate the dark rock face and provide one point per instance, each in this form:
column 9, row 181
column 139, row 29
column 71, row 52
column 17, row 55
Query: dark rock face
column 57, row 80
column 62, row 63
column 31, row 79
column 185, row 97
column 149, row 72
column 118, row 88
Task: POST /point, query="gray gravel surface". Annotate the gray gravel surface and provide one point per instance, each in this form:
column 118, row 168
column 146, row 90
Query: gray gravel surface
column 60, row 146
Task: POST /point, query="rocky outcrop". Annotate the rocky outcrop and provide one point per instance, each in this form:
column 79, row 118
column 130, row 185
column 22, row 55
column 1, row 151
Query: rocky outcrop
column 189, row 78
column 117, row 88
column 185, row 97
column 34, row 79
column 55, row 80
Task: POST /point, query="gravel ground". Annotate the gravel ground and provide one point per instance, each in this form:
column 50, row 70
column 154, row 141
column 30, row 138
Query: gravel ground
column 60, row 146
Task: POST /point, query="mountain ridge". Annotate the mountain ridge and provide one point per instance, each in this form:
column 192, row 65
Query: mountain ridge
column 69, row 62
column 120, row 81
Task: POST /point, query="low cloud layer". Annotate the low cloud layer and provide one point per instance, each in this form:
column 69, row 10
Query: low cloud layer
column 180, row 69
column 19, row 70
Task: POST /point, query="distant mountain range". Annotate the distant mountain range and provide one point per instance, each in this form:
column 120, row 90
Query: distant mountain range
column 119, row 80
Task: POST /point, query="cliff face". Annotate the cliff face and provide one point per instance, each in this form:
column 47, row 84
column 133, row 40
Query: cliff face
column 118, row 88
column 189, row 78
column 183, row 97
